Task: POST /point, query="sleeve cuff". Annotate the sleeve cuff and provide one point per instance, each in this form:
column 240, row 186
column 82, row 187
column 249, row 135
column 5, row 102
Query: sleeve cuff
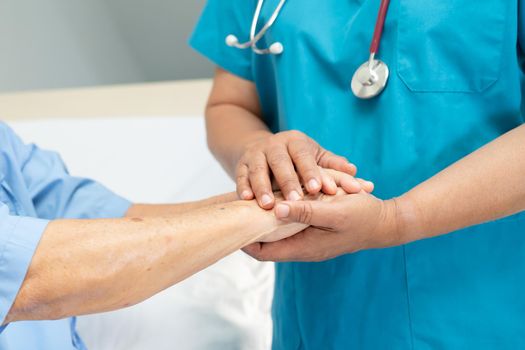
column 19, row 238
column 114, row 207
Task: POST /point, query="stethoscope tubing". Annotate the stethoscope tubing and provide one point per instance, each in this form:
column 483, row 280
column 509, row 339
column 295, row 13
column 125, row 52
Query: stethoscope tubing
column 380, row 24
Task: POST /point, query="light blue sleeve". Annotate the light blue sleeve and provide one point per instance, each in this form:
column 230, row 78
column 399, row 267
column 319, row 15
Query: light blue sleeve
column 56, row 194
column 19, row 237
column 219, row 19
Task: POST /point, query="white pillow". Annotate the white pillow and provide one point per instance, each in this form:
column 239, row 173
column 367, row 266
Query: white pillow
column 165, row 159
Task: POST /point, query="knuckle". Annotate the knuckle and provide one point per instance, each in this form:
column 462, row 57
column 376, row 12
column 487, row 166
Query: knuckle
column 242, row 184
column 296, row 134
column 239, row 168
column 253, row 156
column 327, row 153
column 242, row 177
column 293, row 136
column 272, row 145
column 305, row 213
column 243, row 161
column 303, row 154
column 309, row 173
column 250, row 150
column 324, row 154
column 287, row 183
column 257, row 169
column 341, row 158
column 241, row 173
column 278, row 159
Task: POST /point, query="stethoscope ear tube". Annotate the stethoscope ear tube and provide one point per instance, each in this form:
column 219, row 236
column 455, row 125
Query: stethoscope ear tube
column 276, row 48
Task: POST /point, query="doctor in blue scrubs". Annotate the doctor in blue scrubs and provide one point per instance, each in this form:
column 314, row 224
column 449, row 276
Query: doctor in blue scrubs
column 443, row 143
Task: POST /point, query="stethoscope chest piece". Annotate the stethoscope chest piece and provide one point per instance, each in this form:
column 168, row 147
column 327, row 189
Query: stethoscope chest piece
column 370, row 79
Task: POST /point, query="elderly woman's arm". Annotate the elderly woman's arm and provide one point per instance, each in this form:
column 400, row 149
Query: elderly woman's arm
column 88, row 266
column 156, row 210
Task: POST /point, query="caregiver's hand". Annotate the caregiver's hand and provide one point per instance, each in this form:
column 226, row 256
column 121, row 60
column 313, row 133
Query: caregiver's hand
column 294, row 159
column 346, row 224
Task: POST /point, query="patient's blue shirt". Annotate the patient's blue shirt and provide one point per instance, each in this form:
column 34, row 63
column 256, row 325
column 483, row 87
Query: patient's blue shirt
column 35, row 187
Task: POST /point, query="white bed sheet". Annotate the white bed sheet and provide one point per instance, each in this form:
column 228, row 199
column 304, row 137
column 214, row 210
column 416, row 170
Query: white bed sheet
column 164, row 159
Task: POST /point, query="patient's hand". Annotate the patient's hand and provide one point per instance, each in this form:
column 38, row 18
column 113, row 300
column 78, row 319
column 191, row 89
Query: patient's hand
column 334, row 181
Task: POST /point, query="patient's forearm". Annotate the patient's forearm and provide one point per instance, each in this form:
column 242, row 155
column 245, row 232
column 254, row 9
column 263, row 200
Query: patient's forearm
column 163, row 210
column 88, row 266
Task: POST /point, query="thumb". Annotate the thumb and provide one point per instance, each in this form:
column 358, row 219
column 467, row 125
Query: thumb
column 313, row 213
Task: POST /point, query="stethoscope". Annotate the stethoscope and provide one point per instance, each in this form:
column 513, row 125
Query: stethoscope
column 370, row 78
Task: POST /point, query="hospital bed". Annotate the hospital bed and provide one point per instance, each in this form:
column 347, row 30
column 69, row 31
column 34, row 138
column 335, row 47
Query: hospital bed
column 147, row 142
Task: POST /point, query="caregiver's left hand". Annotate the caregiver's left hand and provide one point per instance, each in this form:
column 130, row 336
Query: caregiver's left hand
column 343, row 225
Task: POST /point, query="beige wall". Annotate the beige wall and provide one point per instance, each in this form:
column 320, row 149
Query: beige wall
column 67, row 43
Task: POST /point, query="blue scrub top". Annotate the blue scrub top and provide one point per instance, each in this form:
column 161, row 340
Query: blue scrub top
column 34, row 188
column 455, row 85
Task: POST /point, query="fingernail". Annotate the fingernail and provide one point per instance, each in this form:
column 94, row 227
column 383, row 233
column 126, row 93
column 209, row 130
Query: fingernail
column 282, row 211
column 266, row 199
column 313, row 184
column 246, row 194
column 294, row 196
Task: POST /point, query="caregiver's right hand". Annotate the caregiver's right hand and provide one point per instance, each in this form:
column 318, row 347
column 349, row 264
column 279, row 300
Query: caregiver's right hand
column 294, row 159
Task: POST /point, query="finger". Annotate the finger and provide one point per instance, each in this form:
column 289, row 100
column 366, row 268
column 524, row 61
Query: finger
column 329, row 160
column 306, row 165
column 347, row 182
column 309, row 245
column 289, row 249
column 314, row 213
column 259, row 178
column 329, row 184
column 284, row 172
column 367, row 186
column 243, row 183
column 252, row 249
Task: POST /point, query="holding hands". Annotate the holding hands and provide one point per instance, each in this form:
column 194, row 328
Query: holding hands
column 337, row 225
